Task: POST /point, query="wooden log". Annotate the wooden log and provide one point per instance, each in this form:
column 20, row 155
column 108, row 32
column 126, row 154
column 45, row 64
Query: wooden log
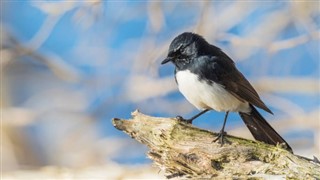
column 182, row 150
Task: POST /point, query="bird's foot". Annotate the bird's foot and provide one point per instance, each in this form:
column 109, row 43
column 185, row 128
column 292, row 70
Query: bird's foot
column 220, row 138
column 188, row 121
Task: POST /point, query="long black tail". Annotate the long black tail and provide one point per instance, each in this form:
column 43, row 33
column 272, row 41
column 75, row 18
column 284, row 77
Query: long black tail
column 261, row 129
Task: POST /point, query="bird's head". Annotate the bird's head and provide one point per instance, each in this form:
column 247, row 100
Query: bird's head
column 184, row 48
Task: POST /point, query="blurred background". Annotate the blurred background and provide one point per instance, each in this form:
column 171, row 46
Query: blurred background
column 69, row 67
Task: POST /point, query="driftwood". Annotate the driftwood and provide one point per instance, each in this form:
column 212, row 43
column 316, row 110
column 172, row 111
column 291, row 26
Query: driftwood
column 182, row 150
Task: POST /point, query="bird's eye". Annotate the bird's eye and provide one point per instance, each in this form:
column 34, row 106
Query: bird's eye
column 175, row 53
column 180, row 50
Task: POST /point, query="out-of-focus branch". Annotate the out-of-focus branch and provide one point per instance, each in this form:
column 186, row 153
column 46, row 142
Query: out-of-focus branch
column 13, row 49
column 182, row 150
column 288, row 85
column 156, row 15
column 293, row 42
column 44, row 32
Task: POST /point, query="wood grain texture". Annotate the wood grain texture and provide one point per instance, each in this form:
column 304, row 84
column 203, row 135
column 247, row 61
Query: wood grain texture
column 184, row 151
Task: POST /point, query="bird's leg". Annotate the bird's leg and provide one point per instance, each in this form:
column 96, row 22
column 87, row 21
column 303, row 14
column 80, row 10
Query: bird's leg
column 222, row 132
column 189, row 121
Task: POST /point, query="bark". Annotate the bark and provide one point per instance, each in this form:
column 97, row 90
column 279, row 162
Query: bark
column 182, row 150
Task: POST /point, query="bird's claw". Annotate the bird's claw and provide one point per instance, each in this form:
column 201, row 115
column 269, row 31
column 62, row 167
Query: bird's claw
column 221, row 138
column 180, row 118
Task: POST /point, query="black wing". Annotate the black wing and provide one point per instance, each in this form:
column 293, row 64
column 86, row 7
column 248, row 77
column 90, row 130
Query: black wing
column 221, row 69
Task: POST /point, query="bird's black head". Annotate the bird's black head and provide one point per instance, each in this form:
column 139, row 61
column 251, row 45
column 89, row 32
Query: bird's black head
column 184, row 48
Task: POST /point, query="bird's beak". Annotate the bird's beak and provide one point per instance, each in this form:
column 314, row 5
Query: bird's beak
column 166, row 60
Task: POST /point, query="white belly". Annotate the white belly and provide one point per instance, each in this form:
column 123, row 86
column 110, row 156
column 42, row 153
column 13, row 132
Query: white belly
column 208, row 96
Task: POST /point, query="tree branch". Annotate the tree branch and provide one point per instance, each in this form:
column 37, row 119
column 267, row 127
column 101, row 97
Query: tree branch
column 182, row 150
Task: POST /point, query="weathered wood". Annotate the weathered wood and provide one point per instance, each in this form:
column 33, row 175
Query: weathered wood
column 182, row 150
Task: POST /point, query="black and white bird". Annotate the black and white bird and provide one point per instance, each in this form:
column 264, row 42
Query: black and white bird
column 209, row 79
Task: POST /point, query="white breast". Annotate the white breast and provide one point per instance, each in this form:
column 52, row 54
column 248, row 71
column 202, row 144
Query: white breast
column 208, row 96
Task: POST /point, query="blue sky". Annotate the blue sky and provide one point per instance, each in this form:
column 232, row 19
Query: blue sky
column 118, row 32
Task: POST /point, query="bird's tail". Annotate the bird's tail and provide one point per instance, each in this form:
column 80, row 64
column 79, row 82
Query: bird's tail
column 261, row 129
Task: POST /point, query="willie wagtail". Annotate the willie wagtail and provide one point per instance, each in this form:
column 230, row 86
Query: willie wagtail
column 209, row 80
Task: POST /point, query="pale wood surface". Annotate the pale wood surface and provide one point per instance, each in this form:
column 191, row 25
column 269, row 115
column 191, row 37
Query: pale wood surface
column 182, row 150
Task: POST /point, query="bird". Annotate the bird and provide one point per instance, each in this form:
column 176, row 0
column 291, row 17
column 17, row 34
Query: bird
column 209, row 79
